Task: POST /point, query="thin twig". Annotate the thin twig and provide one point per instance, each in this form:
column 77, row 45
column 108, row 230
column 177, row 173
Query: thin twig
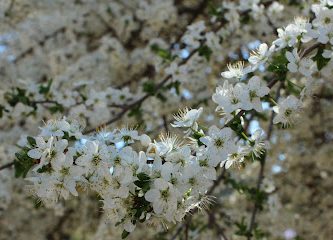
column 10, row 8
column 165, row 123
column 8, row 165
column 262, row 167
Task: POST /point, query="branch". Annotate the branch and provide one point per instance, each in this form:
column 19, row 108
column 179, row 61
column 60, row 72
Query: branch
column 269, row 133
column 9, row 9
column 262, row 167
column 8, row 165
column 310, row 49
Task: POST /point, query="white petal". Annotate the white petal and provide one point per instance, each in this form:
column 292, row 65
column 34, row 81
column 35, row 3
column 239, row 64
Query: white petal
column 35, row 153
column 228, row 164
column 152, row 195
column 158, row 207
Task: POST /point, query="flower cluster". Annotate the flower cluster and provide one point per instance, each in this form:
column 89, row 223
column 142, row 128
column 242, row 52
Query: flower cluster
column 240, row 96
column 138, row 180
column 283, row 56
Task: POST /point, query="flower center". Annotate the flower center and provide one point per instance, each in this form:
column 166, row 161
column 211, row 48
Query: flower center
column 165, row 194
column 117, row 160
column 192, row 181
column 288, row 112
column 219, row 142
column 203, row 163
column 64, row 171
column 96, row 160
column 327, row 20
column 234, row 100
column 253, row 94
column 127, row 138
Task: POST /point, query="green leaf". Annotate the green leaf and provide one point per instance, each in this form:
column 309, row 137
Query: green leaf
column 135, row 112
column 319, row 59
column 17, row 95
column 56, row 108
column 241, row 228
column 279, row 65
column 45, row 168
column 124, row 234
column 68, row 138
column 31, row 141
column 215, row 11
column 143, row 182
column 236, row 125
column 165, row 54
column 22, row 164
column 149, row 87
column 205, row 51
column 197, row 135
column 45, row 89
column 143, row 177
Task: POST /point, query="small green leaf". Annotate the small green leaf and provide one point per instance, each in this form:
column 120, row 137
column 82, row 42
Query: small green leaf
column 279, row 65
column 241, row 228
column 45, row 89
column 143, row 177
column 56, row 108
column 319, row 59
column 149, row 87
column 31, row 141
column 124, row 234
column 45, row 168
column 22, row 164
column 165, row 54
column 205, row 51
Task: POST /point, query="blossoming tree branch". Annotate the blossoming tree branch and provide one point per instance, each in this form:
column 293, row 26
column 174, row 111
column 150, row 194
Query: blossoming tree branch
column 146, row 127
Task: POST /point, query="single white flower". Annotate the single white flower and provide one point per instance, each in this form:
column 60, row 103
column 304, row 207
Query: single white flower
column 287, row 110
column 254, row 90
column 228, row 97
column 236, row 71
column 257, row 144
column 304, row 66
column 236, row 155
column 67, row 173
column 180, row 157
column 324, row 19
column 261, row 55
column 93, row 157
column 162, row 196
column 55, row 128
column 194, row 179
column 218, row 142
column 187, row 118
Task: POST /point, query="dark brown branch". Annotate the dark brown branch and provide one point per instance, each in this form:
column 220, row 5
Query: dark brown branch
column 142, row 99
column 8, row 165
column 310, row 49
column 165, row 124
